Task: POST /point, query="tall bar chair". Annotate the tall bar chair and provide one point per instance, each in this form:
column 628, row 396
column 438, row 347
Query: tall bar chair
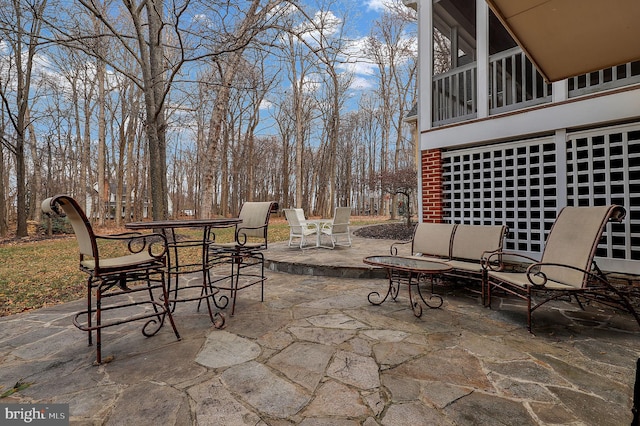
column 142, row 259
column 244, row 254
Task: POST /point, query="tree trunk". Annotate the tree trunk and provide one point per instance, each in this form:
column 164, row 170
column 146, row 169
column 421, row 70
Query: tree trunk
column 4, row 227
column 103, row 184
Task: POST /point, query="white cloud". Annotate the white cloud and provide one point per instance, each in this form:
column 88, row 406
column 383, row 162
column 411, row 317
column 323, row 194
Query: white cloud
column 361, row 83
column 265, row 104
column 376, row 5
column 325, row 24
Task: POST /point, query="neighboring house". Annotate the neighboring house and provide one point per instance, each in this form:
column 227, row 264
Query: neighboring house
column 500, row 145
column 110, row 200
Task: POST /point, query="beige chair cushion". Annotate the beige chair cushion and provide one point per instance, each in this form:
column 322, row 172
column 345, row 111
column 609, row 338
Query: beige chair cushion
column 433, row 239
column 471, row 241
column 122, row 262
column 254, row 215
column 572, row 241
column 520, row 279
column 461, row 265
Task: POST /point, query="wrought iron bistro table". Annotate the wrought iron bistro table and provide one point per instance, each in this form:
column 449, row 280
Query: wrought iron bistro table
column 408, row 271
column 175, row 267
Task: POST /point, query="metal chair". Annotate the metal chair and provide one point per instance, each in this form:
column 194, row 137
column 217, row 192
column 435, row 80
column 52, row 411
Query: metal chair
column 338, row 227
column 567, row 266
column 298, row 228
column 244, row 252
column 143, row 259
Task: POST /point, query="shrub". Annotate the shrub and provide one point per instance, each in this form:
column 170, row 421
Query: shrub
column 55, row 225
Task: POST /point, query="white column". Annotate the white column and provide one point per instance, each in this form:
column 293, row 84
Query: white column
column 425, row 84
column 560, row 91
column 561, row 167
column 482, row 58
column 425, row 64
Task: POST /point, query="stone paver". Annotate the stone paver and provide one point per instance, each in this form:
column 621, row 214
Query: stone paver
column 315, row 352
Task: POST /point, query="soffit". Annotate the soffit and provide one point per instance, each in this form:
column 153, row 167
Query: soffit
column 565, row 38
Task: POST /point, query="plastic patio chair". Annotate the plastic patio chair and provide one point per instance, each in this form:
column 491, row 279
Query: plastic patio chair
column 299, row 228
column 338, row 227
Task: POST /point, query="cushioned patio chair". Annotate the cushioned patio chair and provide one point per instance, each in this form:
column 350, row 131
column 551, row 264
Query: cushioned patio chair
column 337, row 227
column 144, row 260
column 567, row 266
column 299, row 228
column 250, row 239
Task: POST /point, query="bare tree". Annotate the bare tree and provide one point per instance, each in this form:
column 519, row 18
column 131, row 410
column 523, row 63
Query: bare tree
column 401, row 181
column 253, row 22
column 326, row 37
column 297, row 104
column 21, row 24
column 391, row 46
column 4, row 226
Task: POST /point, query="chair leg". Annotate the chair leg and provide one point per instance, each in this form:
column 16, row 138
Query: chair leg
column 235, row 279
column 261, row 276
column 636, row 397
column 165, row 294
column 89, row 290
column 529, row 309
column 98, row 324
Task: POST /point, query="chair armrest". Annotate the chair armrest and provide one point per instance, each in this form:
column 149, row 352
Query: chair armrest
column 493, row 260
column 241, row 241
column 537, row 278
column 313, row 226
column 154, row 243
column 327, row 224
column 394, row 247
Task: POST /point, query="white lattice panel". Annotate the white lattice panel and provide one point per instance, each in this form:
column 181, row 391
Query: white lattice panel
column 524, row 184
column 512, row 184
column 603, row 167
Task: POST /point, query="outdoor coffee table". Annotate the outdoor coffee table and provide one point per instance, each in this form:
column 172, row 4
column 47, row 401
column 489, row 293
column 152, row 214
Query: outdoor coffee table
column 408, row 271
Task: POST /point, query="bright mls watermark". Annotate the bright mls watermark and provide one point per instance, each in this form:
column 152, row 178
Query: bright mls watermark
column 34, row 414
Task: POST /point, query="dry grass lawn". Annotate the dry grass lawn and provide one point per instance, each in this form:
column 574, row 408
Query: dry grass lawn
column 40, row 272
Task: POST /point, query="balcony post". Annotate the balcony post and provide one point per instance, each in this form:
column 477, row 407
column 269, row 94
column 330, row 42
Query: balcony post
column 482, row 60
column 560, row 91
column 425, row 65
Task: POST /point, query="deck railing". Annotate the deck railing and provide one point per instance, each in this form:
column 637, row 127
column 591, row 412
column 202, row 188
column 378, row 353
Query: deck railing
column 608, row 78
column 454, row 95
column 514, row 83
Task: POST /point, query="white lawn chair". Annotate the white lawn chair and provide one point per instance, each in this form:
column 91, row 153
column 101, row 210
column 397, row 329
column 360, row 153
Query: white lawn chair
column 299, row 228
column 338, row 227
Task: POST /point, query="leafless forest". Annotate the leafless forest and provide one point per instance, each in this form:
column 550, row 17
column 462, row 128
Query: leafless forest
column 163, row 108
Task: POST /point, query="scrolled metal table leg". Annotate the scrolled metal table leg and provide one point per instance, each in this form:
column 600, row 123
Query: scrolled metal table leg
column 438, row 299
column 392, row 290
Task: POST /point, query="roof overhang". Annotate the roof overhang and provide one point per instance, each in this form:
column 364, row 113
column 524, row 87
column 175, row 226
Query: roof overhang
column 565, row 38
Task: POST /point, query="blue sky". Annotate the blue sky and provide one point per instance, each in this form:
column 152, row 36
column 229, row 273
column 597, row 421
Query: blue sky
column 360, row 17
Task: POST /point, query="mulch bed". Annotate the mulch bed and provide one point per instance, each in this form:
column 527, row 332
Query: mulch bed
column 387, row 231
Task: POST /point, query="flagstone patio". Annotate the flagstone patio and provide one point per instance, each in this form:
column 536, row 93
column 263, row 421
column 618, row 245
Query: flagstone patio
column 316, row 352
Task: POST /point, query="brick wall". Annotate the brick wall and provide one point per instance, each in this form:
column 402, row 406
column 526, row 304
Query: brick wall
column 432, row 185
